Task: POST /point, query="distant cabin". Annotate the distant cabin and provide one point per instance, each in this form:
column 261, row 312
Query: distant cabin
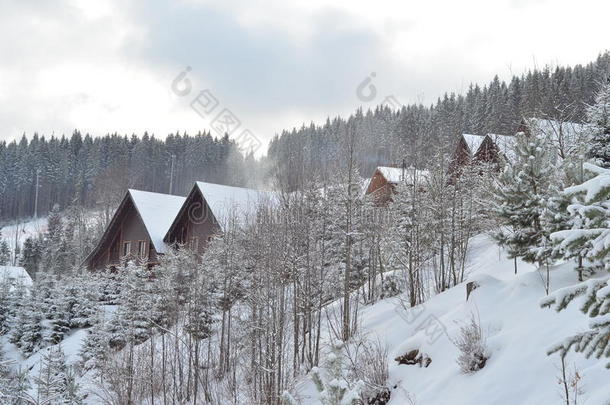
column 384, row 180
column 494, row 148
column 146, row 225
column 490, row 148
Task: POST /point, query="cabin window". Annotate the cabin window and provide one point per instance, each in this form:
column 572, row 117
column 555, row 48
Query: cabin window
column 142, row 249
column 194, row 243
column 126, row 248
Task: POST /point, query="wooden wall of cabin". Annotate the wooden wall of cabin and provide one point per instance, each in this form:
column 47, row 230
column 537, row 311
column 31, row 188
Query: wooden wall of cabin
column 128, row 227
column 380, row 188
column 196, row 225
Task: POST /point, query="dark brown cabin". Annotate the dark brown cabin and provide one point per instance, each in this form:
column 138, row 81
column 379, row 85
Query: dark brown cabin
column 488, row 152
column 384, row 180
column 195, row 224
column 207, row 211
column 136, row 230
column 380, row 188
column 479, row 149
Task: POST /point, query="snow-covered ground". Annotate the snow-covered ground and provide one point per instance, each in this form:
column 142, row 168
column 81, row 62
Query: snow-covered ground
column 517, row 330
column 518, row 333
column 22, row 229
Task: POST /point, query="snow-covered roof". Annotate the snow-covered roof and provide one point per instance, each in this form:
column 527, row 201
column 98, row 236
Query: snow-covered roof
column 564, row 134
column 473, row 142
column 398, row 174
column 15, row 275
column 555, row 128
column 157, row 212
column 506, row 144
column 239, row 203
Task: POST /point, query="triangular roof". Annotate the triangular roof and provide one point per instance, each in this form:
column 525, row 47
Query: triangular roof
column 564, row 134
column 397, row 174
column 224, row 203
column 505, row 144
column 473, row 142
column 155, row 210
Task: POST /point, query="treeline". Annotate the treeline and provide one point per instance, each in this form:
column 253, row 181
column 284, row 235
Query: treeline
column 86, row 170
column 95, row 171
column 414, row 132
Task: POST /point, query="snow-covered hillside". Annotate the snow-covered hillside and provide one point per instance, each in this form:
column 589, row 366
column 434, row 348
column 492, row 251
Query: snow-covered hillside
column 19, row 231
column 518, row 333
column 517, row 330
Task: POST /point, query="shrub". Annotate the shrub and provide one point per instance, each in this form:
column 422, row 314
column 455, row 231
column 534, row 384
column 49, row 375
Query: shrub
column 472, row 347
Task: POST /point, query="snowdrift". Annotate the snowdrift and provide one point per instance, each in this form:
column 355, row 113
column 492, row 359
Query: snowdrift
column 517, row 330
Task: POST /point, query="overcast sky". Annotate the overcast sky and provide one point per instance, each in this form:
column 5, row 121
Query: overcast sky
column 108, row 65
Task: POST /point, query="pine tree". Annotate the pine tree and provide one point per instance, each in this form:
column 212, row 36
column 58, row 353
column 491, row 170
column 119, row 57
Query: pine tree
column 595, row 341
column 5, row 378
column 72, row 390
column 132, row 322
column 57, row 382
column 95, row 349
column 31, row 255
column 52, row 373
column 331, row 383
column 60, row 316
column 598, row 117
column 27, row 333
column 80, row 304
column 5, row 253
column 54, row 243
column 519, row 199
column 589, row 213
column 14, row 387
column 5, row 305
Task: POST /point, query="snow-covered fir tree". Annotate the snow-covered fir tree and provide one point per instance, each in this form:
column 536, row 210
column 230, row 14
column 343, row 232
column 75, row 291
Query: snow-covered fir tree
column 5, row 252
column 132, row 321
column 593, row 342
column 59, row 314
column 5, row 305
column 95, row 349
column 79, row 301
column 331, row 383
column 520, row 197
column 27, row 332
column 31, row 254
column 56, row 382
column 5, row 378
column 598, row 117
column 589, row 212
column 14, row 386
column 52, row 258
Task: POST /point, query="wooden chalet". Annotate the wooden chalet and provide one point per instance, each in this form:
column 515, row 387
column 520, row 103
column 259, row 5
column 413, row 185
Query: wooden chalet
column 490, row 148
column 136, row 230
column 384, row 180
column 146, row 225
column 209, row 209
column 493, row 148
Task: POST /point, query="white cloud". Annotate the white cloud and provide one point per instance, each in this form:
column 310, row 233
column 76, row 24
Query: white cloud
column 106, row 66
